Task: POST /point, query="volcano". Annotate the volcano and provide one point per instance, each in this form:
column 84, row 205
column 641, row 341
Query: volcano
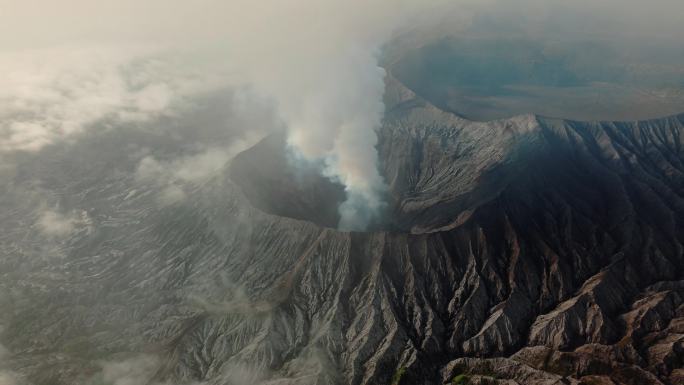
column 528, row 250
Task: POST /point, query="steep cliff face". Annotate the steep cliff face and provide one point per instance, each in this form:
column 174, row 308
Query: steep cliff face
column 521, row 251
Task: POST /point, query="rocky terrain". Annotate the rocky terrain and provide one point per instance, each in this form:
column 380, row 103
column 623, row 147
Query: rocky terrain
column 522, row 251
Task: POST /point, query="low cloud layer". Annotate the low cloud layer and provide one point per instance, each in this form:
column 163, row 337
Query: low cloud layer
column 135, row 370
column 50, row 94
column 55, row 224
column 7, row 377
column 172, row 176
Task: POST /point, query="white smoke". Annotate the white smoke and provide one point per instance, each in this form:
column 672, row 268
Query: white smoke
column 319, row 61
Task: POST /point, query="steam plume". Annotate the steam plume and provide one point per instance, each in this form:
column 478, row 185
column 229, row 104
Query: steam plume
column 322, row 71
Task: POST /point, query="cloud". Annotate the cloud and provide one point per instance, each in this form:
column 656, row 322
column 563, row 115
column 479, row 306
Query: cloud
column 170, row 195
column 59, row 225
column 241, row 374
column 50, row 94
column 137, row 370
column 243, row 121
column 199, row 167
column 172, row 175
column 8, row 378
column 55, row 224
column 150, row 169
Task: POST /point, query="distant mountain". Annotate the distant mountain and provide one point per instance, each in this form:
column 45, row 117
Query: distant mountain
column 526, row 251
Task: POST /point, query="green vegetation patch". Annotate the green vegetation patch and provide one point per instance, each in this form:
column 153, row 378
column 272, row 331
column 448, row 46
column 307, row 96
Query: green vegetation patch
column 461, row 379
column 396, row 378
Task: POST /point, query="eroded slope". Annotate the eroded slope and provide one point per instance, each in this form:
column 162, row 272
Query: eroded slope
column 529, row 251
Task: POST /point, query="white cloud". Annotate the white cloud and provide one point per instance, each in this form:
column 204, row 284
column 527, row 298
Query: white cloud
column 4, row 353
column 137, row 370
column 171, row 176
column 171, row 194
column 55, row 224
column 50, row 94
column 193, row 168
column 8, row 378
column 58, row 225
column 201, row 166
column 150, row 169
column 153, row 98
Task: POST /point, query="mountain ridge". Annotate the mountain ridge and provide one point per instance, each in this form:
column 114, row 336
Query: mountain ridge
column 608, row 151
column 566, row 267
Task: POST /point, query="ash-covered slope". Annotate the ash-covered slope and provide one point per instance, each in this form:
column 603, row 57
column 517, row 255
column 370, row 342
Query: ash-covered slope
column 522, row 251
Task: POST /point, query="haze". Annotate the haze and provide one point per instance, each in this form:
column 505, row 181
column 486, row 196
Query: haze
column 120, row 122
